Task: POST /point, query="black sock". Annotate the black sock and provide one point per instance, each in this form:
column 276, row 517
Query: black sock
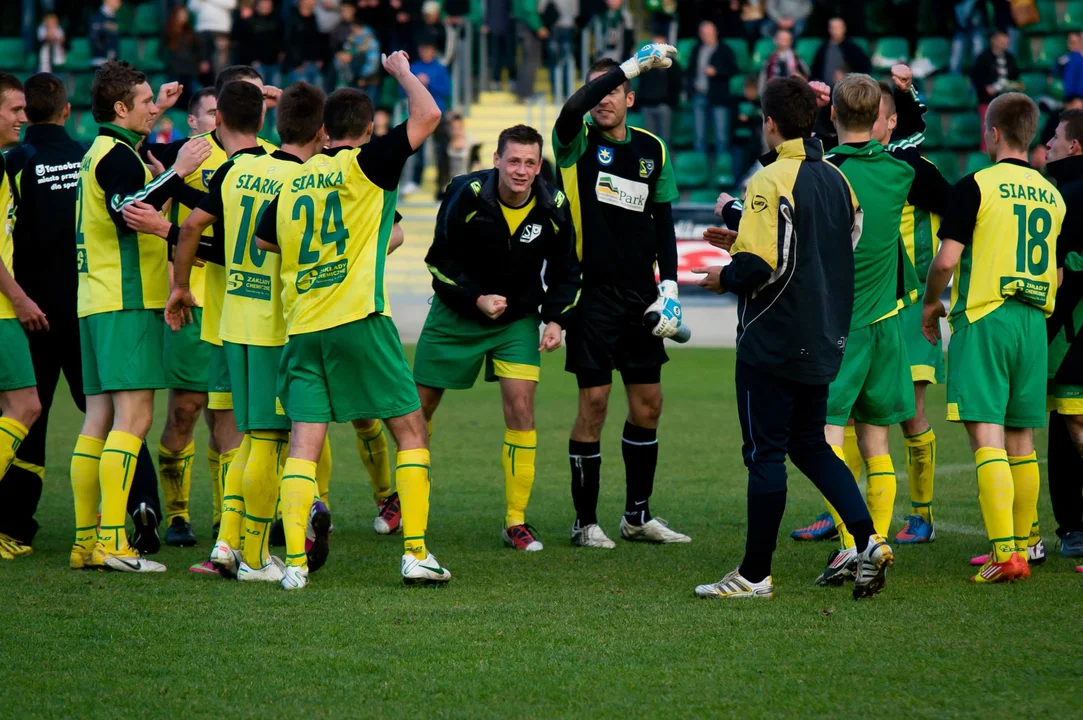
column 833, row 479
column 586, row 462
column 144, row 484
column 764, row 518
column 640, row 449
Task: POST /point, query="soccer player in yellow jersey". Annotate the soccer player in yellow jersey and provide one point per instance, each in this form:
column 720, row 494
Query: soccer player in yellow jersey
column 253, row 325
column 999, row 238
column 343, row 360
column 123, row 285
column 19, row 405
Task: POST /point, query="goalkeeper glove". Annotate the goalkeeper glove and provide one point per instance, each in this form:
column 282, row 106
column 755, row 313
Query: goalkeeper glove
column 668, row 308
column 649, row 57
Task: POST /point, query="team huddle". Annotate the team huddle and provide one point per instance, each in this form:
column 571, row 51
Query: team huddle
column 248, row 279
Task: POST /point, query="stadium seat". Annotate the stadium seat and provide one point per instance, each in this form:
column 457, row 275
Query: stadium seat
column 862, row 43
column 737, row 86
column 963, row 131
column 723, row 170
column 150, row 57
column 949, row 92
column 890, row 51
column 179, row 117
column 684, row 128
column 1072, row 17
column 934, row 131
column 690, row 169
column 807, row 48
column 79, row 95
column 936, row 50
column 703, row 196
column 82, row 126
column 147, row 20
column 1036, row 84
column 1044, row 51
column 78, row 55
column 740, row 53
column 763, row 48
column 270, row 134
column 634, row 118
column 125, row 16
column 129, row 50
column 1047, row 19
column 947, row 163
column 13, row 55
column 976, row 161
column 685, row 48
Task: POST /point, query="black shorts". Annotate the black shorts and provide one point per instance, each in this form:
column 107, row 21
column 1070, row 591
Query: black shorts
column 609, row 334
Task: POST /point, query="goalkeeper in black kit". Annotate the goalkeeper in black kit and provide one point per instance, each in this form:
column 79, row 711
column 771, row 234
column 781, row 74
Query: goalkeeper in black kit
column 619, row 183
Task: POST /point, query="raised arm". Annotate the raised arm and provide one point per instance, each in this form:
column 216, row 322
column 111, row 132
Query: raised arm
column 423, row 110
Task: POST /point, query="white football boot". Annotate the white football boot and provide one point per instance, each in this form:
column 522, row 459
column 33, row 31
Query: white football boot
column 226, row 559
column 841, row 566
column 591, row 536
column 872, row 567
column 126, row 560
column 654, row 530
column 735, row 587
column 273, row 571
column 423, row 572
column 295, row 577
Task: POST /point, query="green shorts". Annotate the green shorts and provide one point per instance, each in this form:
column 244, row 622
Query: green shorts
column 16, row 367
column 253, row 375
column 873, row 385
column 352, row 371
column 219, row 391
column 122, row 350
column 996, row 368
column 1064, row 399
column 926, row 359
column 185, row 357
column 452, row 348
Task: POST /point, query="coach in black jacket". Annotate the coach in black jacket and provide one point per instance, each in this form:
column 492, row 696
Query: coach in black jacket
column 44, row 174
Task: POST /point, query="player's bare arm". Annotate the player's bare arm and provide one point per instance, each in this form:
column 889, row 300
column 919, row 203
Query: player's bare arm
column 28, row 312
column 424, row 112
column 178, row 310
column 940, row 271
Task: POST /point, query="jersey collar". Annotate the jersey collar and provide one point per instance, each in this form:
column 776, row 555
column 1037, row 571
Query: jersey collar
column 46, row 132
column 1013, row 161
column 116, row 131
column 255, row 150
column 865, row 149
column 289, row 157
column 797, row 148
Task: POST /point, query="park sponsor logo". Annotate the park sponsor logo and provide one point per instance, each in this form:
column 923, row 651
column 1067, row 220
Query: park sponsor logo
column 646, row 167
column 322, row 276
column 530, row 233
column 627, row 194
column 605, row 155
column 249, row 285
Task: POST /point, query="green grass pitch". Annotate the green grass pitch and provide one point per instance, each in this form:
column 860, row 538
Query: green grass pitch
column 560, row 633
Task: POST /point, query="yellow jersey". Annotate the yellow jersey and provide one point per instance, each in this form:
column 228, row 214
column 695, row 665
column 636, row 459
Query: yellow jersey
column 333, row 223
column 7, row 247
column 118, row 269
column 1009, row 218
column 239, row 194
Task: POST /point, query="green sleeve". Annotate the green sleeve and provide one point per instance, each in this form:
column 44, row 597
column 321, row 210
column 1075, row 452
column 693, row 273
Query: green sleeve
column 568, row 155
column 665, row 190
column 476, row 15
column 526, row 11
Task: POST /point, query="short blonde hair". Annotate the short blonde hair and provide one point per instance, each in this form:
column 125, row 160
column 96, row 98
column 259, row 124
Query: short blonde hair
column 1016, row 117
column 857, row 102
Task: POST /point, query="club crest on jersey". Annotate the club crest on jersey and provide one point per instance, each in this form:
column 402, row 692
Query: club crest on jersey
column 530, row 233
column 605, row 155
column 207, row 175
column 646, row 167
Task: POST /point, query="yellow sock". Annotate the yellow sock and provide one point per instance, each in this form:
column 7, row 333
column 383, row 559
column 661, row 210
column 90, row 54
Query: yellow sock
column 845, row 538
column 323, row 473
column 259, row 486
column 214, row 466
column 880, row 492
column 851, row 453
column 115, row 473
column 372, row 447
column 233, row 462
column 85, row 489
column 175, row 471
column 1026, row 480
column 920, row 469
column 412, row 479
column 1035, row 531
column 12, row 434
column 297, row 490
column 996, row 494
column 520, row 447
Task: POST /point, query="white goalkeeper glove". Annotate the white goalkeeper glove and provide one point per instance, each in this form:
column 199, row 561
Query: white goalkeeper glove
column 649, row 57
column 668, row 308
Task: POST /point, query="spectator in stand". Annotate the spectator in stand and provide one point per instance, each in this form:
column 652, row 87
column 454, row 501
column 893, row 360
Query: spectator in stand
column 435, row 77
column 357, row 58
column 51, row 41
column 790, row 15
column 853, row 13
column 747, row 143
column 439, row 31
column 994, row 72
column 752, row 17
column 783, row 61
column 165, row 132
column 499, row 27
column 659, row 92
column 531, row 34
column 258, row 40
column 304, row 45
column 328, row 14
column 381, row 122
column 180, row 51
column 463, row 153
column 838, row 51
column 403, row 24
column 1069, row 67
column 613, row 31
column 1005, row 20
column 970, row 23
column 709, row 71
column 104, row 34
column 559, row 16
column 378, row 15
column 214, row 20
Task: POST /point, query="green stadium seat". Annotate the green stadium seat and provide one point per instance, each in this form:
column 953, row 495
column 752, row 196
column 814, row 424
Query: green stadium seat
column 1071, row 18
column 975, row 161
column 270, row 134
column 862, row 43
column 685, row 48
column 81, row 125
column 807, row 48
column 179, row 117
column 877, row 20
column 890, row 50
column 125, row 17
column 763, row 48
column 934, row 131
column 963, row 131
column 690, row 169
column 740, row 53
column 1036, row 84
column 13, row 55
column 129, row 50
column 1047, row 19
column 737, row 86
column 79, row 92
column 947, row 163
column 147, row 20
column 723, row 170
column 151, row 56
column 634, row 118
column 703, row 196
column 1044, row 51
column 936, row 50
column 78, row 55
column 684, row 129
column 949, row 92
